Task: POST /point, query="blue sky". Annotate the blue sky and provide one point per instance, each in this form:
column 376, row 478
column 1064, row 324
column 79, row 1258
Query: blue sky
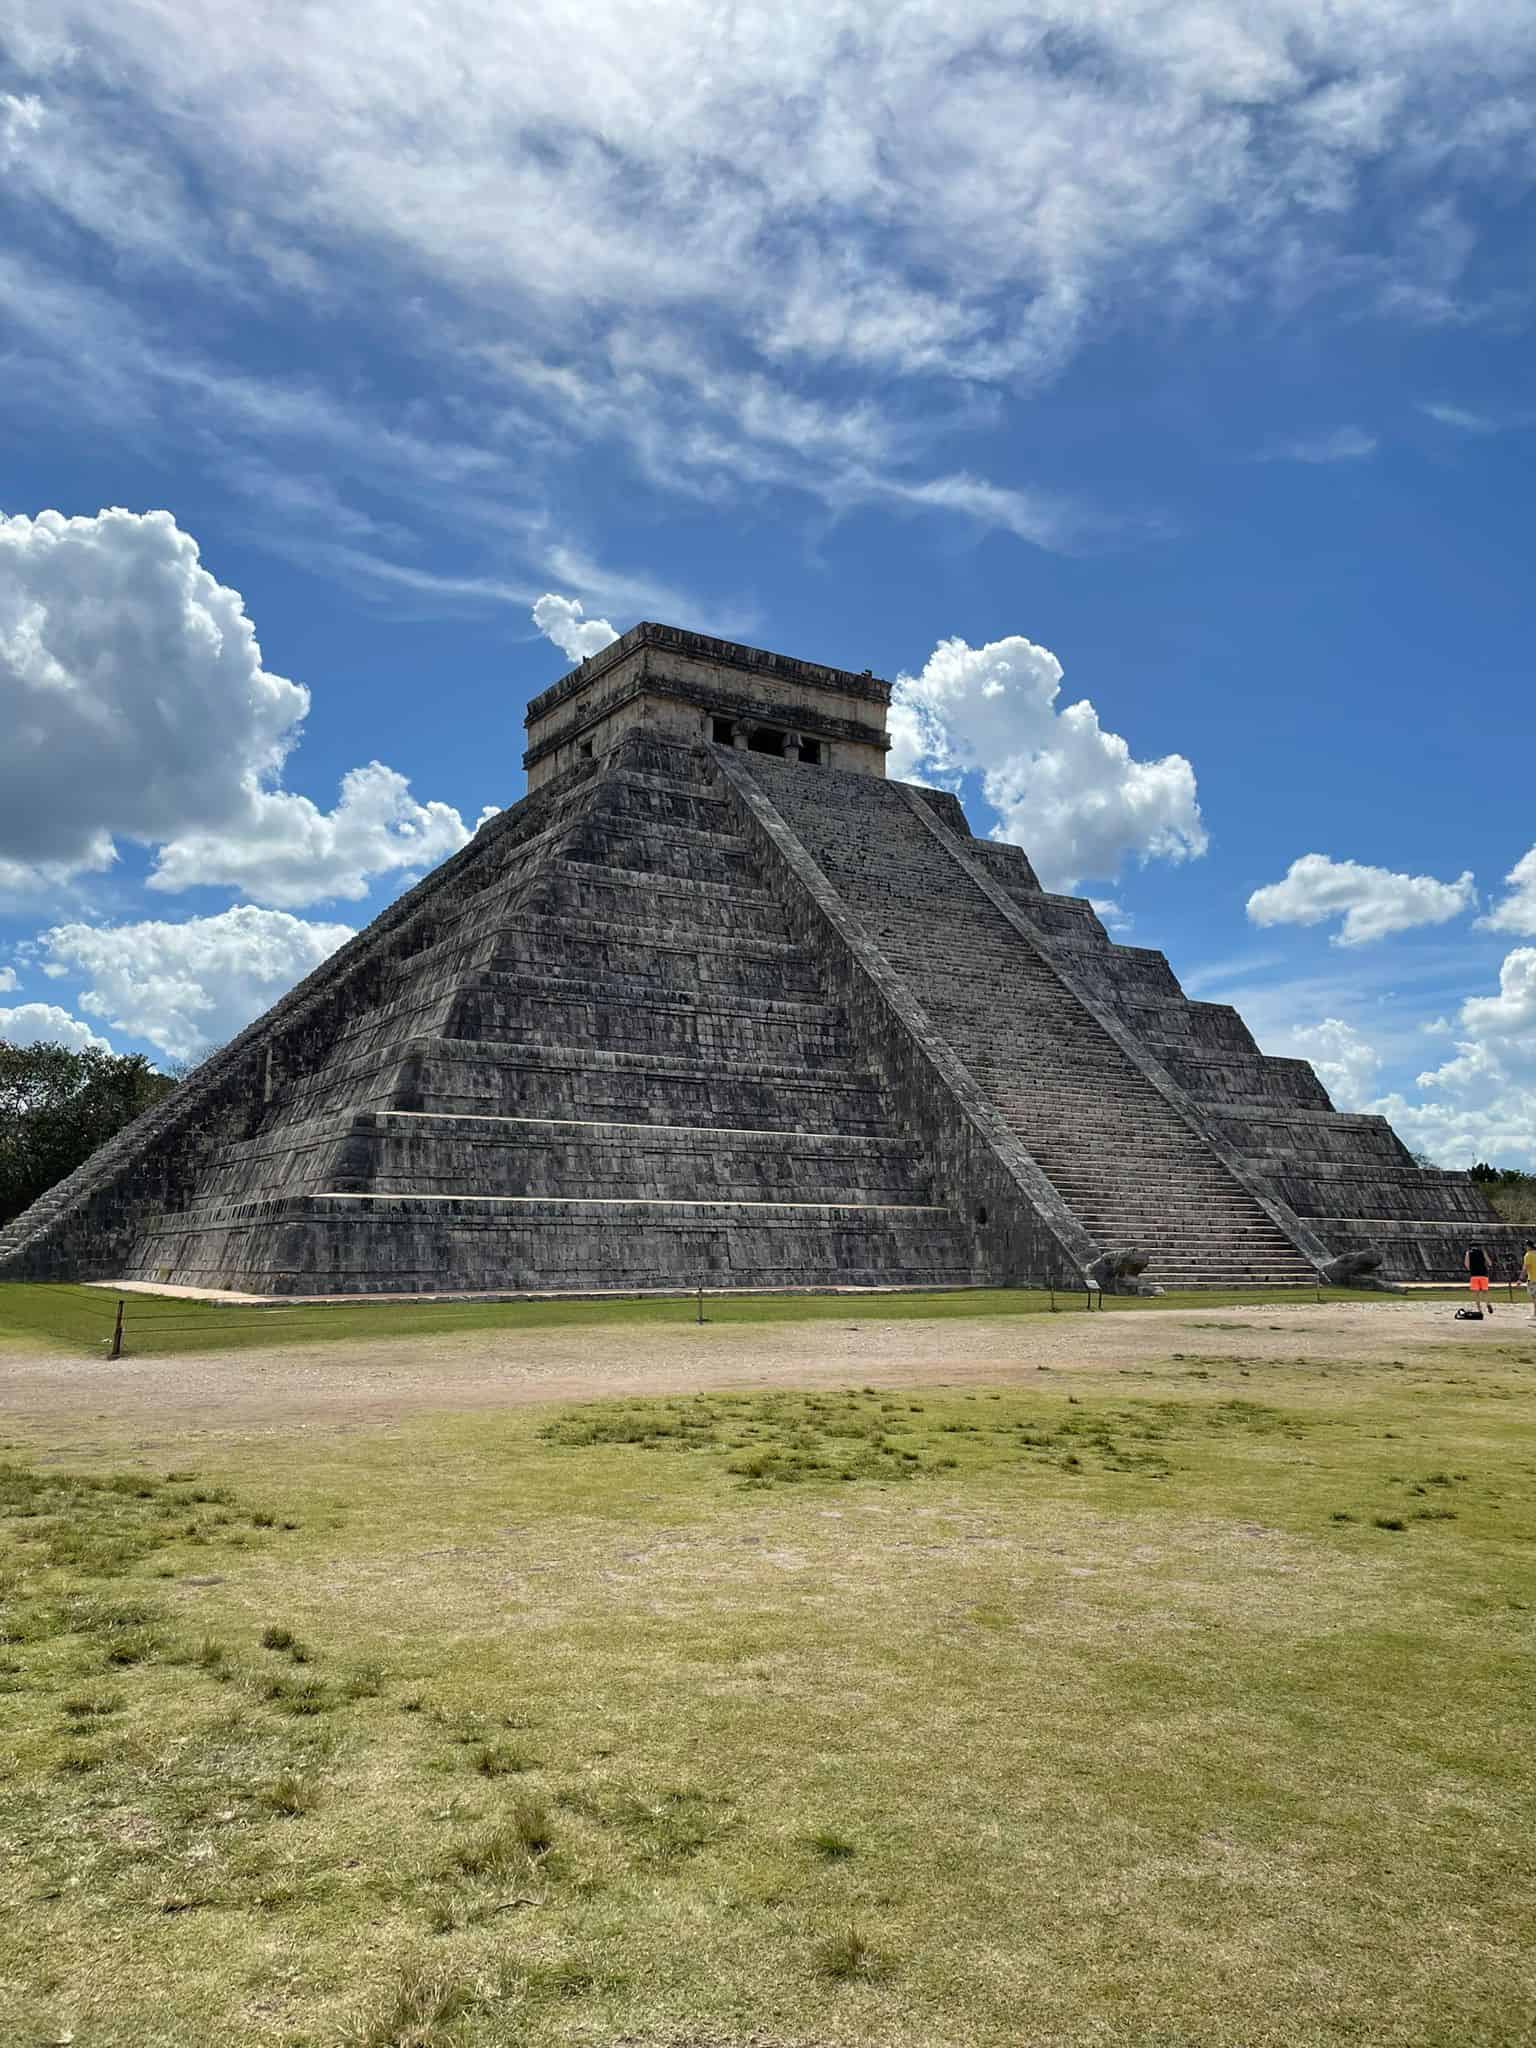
column 1175, row 358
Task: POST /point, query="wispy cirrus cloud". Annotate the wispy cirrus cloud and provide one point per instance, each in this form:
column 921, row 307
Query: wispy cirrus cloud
column 1336, row 444
column 952, row 209
column 1477, row 421
column 1461, row 417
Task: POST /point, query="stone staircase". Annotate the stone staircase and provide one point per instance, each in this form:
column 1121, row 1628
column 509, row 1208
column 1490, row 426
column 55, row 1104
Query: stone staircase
column 1121, row 1156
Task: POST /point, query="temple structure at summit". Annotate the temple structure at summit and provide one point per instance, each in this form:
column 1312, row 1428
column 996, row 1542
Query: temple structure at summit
column 719, row 1004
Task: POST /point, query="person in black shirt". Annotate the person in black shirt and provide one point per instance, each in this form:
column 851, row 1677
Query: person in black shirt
column 1479, row 1268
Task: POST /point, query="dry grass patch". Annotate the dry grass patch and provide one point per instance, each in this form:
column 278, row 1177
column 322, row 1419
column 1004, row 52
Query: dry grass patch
column 1108, row 1713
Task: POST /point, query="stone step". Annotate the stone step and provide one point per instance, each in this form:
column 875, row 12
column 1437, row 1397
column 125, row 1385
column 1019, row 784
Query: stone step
column 698, row 786
column 1146, row 1164
column 458, row 1076
column 1181, row 1218
column 411, row 1245
column 1215, row 1251
column 1146, row 1194
column 636, row 853
column 684, row 889
column 822, row 1141
column 706, row 940
column 1149, row 1190
column 739, row 1038
column 688, row 906
column 410, row 1152
column 615, row 814
column 1174, row 1227
column 640, row 1206
column 673, row 827
column 677, row 972
column 1230, row 1276
column 630, row 991
column 689, row 1068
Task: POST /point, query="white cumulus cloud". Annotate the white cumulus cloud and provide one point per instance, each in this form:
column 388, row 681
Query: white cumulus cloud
column 561, row 619
column 8, row 980
column 47, row 1024
column 286, row 850
column 137, row 707
column 185, row 987
column 1517, row 912
column 1070, row 793
column 1481, row 1103
column 1372, row 902
column 1113, row 916
column 1345, row 1062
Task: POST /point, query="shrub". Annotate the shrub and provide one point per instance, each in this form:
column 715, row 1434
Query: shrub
column 565, row 1979
column 500, row 1760
column 300, row 1695
column 847, row 1955
column 530, row 1818
column 513, row 1847
column 416, row 2011
column 835, row 1847
column 495, row 1852
column 291, row 1795
column 93, row 1706
column 136, row 1646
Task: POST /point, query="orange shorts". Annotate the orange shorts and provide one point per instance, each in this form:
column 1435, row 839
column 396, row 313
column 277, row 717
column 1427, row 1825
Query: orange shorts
column 1479, row 1283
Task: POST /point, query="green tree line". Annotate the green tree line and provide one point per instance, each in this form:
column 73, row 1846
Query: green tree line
column 1512, row 1193
column 57, row 1106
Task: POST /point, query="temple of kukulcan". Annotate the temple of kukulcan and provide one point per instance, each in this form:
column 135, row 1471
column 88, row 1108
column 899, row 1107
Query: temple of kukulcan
column 717, row 1004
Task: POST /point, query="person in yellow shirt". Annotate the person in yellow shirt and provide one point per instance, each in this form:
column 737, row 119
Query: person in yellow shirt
column 1528, row 1268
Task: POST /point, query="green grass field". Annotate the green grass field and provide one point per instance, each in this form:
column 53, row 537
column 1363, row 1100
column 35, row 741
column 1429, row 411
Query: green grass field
column 81, row 1318
column 1187, row 1706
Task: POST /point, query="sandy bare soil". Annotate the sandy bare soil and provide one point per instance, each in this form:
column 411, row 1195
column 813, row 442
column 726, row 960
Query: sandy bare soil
column 373, row 1384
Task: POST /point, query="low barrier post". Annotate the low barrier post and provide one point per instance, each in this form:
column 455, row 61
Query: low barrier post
column 117, row 1333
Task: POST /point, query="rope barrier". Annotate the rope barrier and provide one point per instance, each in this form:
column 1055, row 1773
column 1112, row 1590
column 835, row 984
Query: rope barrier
column 133, row 1323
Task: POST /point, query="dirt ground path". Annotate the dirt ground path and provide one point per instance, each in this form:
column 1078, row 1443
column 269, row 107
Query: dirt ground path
column 345, row 1385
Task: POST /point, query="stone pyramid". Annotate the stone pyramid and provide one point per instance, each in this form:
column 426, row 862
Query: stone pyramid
column 717, row 1004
